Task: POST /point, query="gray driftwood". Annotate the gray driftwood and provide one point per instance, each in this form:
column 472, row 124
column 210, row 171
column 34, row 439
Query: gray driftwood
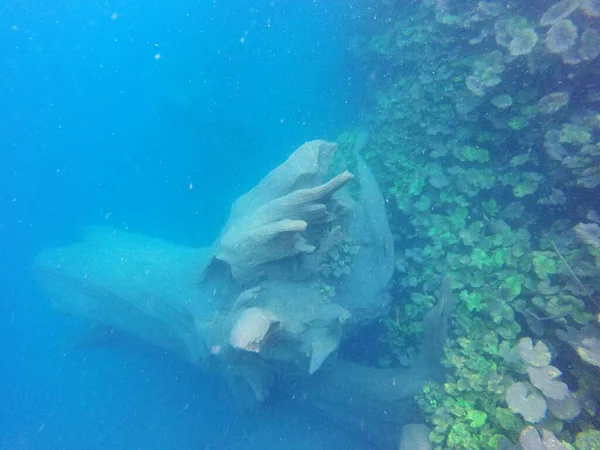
column 300, row 264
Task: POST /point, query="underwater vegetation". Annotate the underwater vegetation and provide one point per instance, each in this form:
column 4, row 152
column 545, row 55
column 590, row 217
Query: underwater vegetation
column 485, row 139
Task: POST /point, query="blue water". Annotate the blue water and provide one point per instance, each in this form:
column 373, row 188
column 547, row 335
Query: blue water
column 151, row 116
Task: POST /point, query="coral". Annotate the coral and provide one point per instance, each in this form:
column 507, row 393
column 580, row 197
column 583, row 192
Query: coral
column 559, row 11
column 585, row 342
column 537, row 356
column 574, row 134
column 551, row 103
column 475, row 86
column 589, row 439
column 544, row 264
column 590, row 177
column 589, row 47
column 452, row 213
column 589, row 351
column 588, row 233
column 518, row 123
column 491, row 9
column 530, row 440
column 523, row 183
column 523, row 42
column 561, row 36
column 524, row 400
column 338, row 260
column 486, row 73
column 554, row 198
column 543, row 378
column 567, row 408
column 591, row 8
column 502, row 101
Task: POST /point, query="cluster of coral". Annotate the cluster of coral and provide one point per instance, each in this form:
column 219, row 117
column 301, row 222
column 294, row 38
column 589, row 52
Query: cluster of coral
column 485, row 139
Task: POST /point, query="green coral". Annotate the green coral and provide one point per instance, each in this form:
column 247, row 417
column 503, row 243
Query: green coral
column 403, row 331
column 326, row 291
column 491, row 207
column 339, row 260
column 471, row 181
column 524, row 188
column 509, row 421
column 588, row 440
column 544, row 264
column 469, row 153
column 473, row 300
column 477, row 418
column 523, row 183
column 445, row 171
column 574, row 134
column 513, row 284
column 423, row 204
column 518, row 123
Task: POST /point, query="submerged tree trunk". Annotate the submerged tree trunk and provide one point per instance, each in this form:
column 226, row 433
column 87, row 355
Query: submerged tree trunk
column 299, row 265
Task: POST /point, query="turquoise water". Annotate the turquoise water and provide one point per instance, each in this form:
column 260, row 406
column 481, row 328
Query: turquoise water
column 473, row 129
column 152, row 117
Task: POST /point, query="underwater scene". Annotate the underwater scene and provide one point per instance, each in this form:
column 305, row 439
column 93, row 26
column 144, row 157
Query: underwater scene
column 300, row 224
